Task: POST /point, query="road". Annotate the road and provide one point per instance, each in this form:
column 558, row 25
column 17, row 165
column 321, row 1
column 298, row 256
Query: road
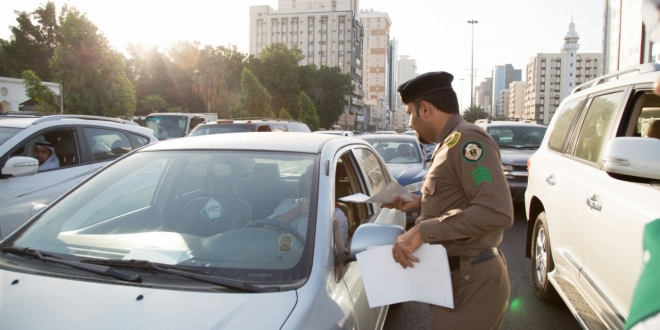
column 525, row 310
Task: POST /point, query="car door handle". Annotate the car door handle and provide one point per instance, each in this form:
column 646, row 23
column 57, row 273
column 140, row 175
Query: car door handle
column 594, row 204
column 551, row 180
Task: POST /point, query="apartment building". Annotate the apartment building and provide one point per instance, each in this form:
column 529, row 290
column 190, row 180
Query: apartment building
column 483, row 94
column 503, row 75
column 328, row 32
column 503, row 105
column 550, row 77
column 516, row 99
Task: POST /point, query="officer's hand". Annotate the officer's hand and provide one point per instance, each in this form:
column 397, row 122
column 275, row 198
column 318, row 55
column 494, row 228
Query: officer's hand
column 404, row 206
column 405, row 245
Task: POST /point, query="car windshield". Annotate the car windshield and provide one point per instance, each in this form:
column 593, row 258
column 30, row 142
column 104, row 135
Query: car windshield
column 167, row 127
column 394, row 152
column 7, row 132
column 517, row 137
column 242, row 215
column 219, row 129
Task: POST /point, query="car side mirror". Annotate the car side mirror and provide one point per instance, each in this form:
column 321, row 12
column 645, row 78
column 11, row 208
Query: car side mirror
column 371, row 234
column 633, row 157
column 21, row 166
column 429, row 156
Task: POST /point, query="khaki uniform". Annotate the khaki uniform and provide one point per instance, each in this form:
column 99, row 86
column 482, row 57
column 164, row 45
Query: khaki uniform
column 466, row 205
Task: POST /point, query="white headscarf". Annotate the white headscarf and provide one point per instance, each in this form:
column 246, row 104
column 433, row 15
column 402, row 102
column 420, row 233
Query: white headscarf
column 52, row 161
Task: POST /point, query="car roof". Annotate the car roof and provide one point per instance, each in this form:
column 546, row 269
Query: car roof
column 389, row 137
column 649, row 72
column 267, row 141
column 16, row 122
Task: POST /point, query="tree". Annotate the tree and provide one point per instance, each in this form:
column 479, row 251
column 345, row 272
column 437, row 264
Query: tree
column 92, row 73
column 255, row 99
column 473, row 113
column 284, row 114
column 32, row 43
column 155, row 103
column 307, row 112
column 329, row 94
column 34, row 89
column 209, row 77
column 276, row 68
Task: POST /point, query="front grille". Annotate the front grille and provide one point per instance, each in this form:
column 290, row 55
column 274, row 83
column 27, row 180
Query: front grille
column 521, row 168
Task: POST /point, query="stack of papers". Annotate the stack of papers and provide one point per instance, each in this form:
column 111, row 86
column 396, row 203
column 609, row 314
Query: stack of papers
column 387, row 195
column 386, row 282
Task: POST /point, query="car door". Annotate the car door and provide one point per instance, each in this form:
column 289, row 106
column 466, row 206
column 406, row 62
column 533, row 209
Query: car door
column 19, row 195
column 103, row 145
column 615, row 214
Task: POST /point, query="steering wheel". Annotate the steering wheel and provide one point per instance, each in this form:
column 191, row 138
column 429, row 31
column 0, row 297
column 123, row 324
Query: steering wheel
column 279, row 224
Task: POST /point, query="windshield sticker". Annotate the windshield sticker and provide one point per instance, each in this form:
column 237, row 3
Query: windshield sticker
column 286, row 242
column 453, row 139
column 473, row 152
column 212, row 211
column 482, row 174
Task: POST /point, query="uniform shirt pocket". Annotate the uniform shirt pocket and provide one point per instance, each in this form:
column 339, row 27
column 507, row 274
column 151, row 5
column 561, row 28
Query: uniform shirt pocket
column 429, row 186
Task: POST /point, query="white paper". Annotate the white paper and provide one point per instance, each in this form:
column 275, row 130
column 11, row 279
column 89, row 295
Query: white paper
column 386, row 282
column 154, row 254
column 386, row 195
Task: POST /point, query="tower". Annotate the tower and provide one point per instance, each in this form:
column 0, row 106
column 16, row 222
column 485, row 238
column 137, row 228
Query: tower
column 569, row 52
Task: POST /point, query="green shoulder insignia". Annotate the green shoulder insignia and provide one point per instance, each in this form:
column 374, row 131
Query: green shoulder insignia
column 482, row 174
column 453, row 139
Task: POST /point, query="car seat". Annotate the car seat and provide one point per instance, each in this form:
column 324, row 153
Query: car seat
column 65, row 150
column 653, row 131
column 349, row 216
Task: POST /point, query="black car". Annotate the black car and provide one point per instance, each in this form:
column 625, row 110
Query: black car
column 249, row 125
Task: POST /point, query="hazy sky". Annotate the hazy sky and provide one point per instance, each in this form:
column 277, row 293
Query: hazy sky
column 434, row 32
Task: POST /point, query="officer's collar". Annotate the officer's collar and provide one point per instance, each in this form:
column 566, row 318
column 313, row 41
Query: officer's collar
column 451, row 124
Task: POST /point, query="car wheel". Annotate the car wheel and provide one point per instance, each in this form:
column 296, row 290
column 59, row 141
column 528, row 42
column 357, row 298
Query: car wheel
column 542, row 260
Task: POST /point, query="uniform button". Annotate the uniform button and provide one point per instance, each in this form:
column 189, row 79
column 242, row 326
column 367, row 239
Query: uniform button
column 467, row 277
column 431, row 236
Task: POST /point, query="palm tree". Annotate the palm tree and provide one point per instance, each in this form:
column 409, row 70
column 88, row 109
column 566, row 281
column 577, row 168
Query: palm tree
column 209, row 81
column 473, row 113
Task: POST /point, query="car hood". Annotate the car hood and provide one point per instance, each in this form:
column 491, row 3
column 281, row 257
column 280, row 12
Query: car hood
column 74, row 304
column 407, row 173
column 512, row 156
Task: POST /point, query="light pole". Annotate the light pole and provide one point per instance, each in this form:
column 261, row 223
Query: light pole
column 472, row 22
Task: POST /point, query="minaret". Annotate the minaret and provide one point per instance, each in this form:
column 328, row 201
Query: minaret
column 569, row 52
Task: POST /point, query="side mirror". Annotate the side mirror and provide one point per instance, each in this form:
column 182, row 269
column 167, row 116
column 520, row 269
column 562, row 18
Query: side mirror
column 21, row 166
column 371, row 234
column 633, row 156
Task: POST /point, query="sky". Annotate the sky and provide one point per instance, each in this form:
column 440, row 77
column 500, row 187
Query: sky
column 434, row 32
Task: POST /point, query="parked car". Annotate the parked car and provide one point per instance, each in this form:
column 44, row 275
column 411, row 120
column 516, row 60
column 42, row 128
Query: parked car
column 517, row 141
column 171, row 125
column 80, row 145
column 338, row 133
column 251, row 125
column 404, row 158
column 429, row 148
column 385, row 132
column 593, row 186
column 186, row 226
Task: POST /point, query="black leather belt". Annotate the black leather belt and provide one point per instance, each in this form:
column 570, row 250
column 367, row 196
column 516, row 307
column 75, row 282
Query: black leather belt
column 455, row 262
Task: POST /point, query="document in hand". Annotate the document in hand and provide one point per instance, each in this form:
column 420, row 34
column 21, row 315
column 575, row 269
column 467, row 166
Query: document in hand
column 386, row 282
column 387, row 195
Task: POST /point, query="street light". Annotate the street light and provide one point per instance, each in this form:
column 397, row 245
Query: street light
column 472, row 22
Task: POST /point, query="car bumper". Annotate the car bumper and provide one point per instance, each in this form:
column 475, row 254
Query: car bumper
column 517, row 189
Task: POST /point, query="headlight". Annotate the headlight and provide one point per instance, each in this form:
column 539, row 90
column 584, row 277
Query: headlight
column 414, row 187
column 507, row 168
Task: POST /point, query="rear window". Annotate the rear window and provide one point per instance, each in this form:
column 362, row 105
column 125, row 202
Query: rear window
column 564, row 124
column 219, row 129
column 7, row 132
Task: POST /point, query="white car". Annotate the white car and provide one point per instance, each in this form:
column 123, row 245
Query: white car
column 339, row 133
column 81, row 145
column 594, row 184
column 223, row 231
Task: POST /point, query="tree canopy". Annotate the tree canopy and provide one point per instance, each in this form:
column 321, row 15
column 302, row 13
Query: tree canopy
column 254, row 100
column 307, row 112
column 473, row 113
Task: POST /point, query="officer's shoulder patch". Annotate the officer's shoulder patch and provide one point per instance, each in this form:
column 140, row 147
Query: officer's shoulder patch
column 453, row 139
column 473, row 151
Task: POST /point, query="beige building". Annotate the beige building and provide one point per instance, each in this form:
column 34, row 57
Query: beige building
column 516, row 99
column 401, row 119
column 552, row 76
column 406, row 70
column 503, row 103
column 328, row 32
column 483, row 95
column 376, row 55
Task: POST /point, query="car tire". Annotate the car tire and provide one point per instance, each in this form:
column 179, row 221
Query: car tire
column 542, row 262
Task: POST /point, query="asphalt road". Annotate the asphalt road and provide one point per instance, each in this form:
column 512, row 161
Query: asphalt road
column 525, row 310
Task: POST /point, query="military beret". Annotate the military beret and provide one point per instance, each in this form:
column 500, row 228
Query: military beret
column 424, row 84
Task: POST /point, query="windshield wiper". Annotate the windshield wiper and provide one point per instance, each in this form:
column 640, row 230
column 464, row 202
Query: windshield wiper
column 101, row 270
column 183, row 272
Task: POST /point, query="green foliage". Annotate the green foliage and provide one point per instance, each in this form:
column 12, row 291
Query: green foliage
column 473, row 113
column 155, row 103
column 209, row 76
column 284, row 114
column 175, row 109
column 34, row 89
column 307, row 112
column 254, row 100
column 329, row 92
column 32, row 43
column 276, row 68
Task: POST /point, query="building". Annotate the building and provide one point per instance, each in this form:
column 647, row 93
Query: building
column 407, row 69
column 516, row 99
column 328, row 32
column 625, row 43
column 376, row 53
column 503, row 75
column 552, row 76
column 13, row 97
column 401, row 119
column 483, row 94
column 392, row 75
column 503, row 105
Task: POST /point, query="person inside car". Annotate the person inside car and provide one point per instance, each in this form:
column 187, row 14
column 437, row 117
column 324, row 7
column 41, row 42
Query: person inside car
column 45, row 154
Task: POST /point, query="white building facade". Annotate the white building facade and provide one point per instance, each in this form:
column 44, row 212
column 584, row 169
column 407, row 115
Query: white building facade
column 552, row 76
column 516, row 99
column 13, row 97
column 503, row 105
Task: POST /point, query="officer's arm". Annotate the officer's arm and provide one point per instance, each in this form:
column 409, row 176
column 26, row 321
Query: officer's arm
column 476, row 162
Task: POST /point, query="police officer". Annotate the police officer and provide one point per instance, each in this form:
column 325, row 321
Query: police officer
column 465, row 206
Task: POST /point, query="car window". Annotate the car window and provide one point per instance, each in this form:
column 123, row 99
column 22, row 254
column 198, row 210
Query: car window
column 518, row 136
column 397, row 152
column 564, row 124
column 596, row 127
column 167, row 127
column 646, row 113
column 107, row 144
column 62, row 150
column 281, row 127
column 141, row 140
column 375, row 172
column 7, row 132
column 219, row 129
column 347, row 183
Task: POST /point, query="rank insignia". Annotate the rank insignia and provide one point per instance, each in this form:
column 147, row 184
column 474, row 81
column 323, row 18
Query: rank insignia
column 473, row 152
column 453, row 139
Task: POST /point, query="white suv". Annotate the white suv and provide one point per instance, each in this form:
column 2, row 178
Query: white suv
column 81, row 144
column 593, row 185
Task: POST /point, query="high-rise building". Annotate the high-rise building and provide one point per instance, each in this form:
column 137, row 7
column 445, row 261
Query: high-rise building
column 552, row 76
column 516, row 99
column 407, row 69
column 392, row 75
column 328, row 32
column 483, row 94
column 503, row 75
column 504, row 103
column 625, row 43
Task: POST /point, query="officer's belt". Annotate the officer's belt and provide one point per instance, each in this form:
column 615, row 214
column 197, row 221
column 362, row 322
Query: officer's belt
column 455, row 262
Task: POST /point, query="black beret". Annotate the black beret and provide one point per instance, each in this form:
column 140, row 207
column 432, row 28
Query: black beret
column 424, row 84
